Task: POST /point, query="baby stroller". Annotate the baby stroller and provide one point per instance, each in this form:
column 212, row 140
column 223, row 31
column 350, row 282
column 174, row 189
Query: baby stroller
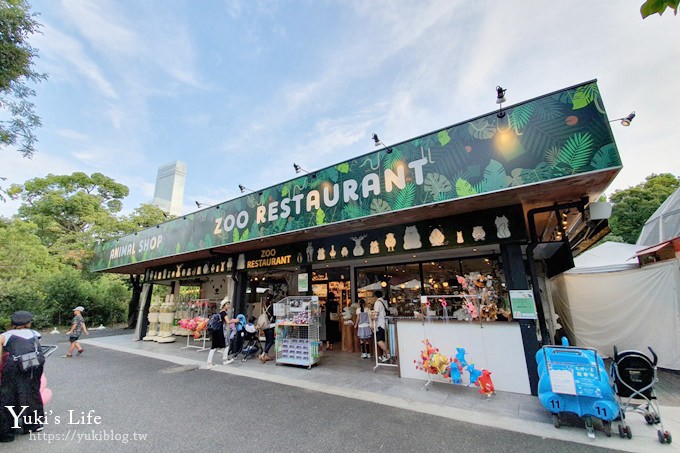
column 634, row 376
column 251, row 342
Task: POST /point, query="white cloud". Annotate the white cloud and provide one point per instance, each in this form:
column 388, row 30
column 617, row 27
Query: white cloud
column 59, row 48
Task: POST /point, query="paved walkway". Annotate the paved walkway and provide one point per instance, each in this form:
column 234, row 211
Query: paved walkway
column 347, row 375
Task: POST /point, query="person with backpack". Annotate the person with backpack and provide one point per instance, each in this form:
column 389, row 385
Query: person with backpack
column 21, row 368
column 267, row 322
column 217, row 325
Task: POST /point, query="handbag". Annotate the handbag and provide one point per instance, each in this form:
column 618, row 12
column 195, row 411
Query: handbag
column 263, row 321
column 334, row 316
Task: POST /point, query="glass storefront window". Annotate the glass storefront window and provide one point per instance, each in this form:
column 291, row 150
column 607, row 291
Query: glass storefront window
column 403, row 284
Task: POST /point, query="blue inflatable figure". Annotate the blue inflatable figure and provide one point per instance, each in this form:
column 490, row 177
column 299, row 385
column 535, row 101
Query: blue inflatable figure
column 460, row 356
column 454, row 373
column 475, row 374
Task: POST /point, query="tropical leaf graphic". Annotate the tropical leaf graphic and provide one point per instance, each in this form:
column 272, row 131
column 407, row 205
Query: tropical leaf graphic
column 540, row 173
column 584, row 96
column 245, row 235
column 352, row 211
column 494, row 177
column 443, row 196
column 520, row 116
column 320, row 216
column 343, row 168
column 515, row 178
column 285, row 190
column 606, row 157
column 391, row 160
column 577, row 151
column 436, row 183
column 378, row 205
column 464, row 188
column 443, row 137
column 549, row 109
column 252, row 200
column 482, row 129
column 551, row 155
column 280, row 224
column 405, row 197
column 237, row 236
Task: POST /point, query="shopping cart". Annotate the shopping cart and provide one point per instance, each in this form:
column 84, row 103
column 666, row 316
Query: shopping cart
column 574, row 380
column 635, row 376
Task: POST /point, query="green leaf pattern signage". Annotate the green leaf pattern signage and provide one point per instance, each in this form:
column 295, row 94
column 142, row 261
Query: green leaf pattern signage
column 558, row 135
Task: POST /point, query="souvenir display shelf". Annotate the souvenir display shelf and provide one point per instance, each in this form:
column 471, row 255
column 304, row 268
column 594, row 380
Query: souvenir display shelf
column 199, row 308
column 297, row 331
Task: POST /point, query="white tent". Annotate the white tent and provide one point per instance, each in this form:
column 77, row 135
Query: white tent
column 664, row 224
column 607, row 257
column 631, row 308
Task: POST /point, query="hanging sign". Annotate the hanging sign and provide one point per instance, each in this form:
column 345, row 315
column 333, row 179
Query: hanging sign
column 522, row 304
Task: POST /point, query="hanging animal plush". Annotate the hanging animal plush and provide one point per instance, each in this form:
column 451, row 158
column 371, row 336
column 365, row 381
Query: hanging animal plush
column 474, row 374
column 485, row 384
column 471, row 309
column 460, row 357
column 454, row 372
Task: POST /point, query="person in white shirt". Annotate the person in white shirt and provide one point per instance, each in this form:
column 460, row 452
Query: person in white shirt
column 380, row 306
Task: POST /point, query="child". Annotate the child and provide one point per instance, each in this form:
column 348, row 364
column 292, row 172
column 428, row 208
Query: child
column 363, row 327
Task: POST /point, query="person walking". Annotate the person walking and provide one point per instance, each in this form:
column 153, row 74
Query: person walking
column 380, row 307
column 269, row 322
column 332, row 321
column 20, row 388
column 219, row 336
column 363, row 327
column 77, row 327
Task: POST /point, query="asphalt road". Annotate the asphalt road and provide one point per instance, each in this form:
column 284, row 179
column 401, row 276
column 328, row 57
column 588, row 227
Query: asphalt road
column 145, row 404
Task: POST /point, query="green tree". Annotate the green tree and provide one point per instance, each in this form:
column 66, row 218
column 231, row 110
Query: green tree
column 633, row 206
column 658, row 7
column 144, row 216
column 19, row 120
column 25, row 268
column 72, row 212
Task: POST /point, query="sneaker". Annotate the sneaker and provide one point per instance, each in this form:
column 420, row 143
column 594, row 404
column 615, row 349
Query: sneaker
column 386, row 358
column 81, row 351
column 227, row 362
column 368, row 356
column 363, row 355
column 209, row 366
column 67, row 356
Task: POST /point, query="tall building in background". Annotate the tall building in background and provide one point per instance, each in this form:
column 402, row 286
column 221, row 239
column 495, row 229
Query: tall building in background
column 169, row 192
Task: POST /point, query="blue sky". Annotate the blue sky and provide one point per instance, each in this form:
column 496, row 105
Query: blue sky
column 239, row 90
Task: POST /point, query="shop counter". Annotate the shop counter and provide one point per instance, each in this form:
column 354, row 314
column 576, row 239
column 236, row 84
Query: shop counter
column 494, row 346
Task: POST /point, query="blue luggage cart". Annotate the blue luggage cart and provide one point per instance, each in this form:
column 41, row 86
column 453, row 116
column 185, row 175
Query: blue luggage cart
column 575, row 380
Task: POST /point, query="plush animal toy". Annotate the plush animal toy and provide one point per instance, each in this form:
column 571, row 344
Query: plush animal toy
column 438, row 363
column 485, row 384
column 474, row 374
column 471, row 309
column 454, row 372
column 460, row 357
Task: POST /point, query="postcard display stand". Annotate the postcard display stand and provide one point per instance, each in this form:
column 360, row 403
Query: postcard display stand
column 297, row 331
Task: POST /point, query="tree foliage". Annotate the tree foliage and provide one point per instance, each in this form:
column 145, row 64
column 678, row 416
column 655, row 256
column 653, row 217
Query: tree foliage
column 71, row 211
column 44, row 250
column 658, row 7
column 633, row 206
column 17, row 24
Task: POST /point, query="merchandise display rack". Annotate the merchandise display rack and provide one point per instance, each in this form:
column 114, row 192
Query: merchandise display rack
column 201, row 308
column 297, row 331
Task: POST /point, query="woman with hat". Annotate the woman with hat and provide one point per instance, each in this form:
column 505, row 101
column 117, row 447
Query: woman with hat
column 221, row 335
column 19, row 388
